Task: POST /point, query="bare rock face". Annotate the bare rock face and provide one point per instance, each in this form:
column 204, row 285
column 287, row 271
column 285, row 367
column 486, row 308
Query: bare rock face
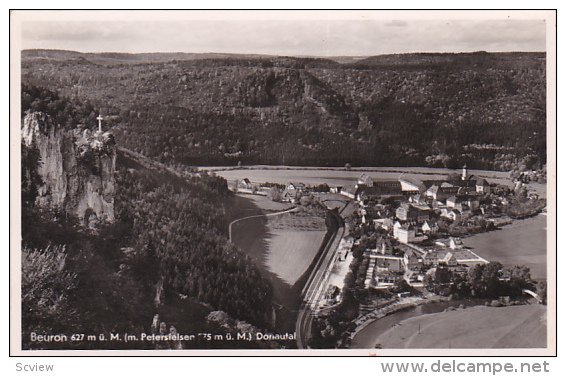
column 166, row 340
column 77, row 168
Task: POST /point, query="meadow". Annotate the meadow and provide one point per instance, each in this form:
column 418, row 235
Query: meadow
column 265, row 204
column 470, row 328
column 291, row 252
column 340, row 176
column 521, row 243
column 282, row 246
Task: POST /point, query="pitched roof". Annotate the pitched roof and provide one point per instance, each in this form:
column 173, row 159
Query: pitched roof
column 448, row 189
column 429, row 224
column 464, row 183
column 380, row 188
column 349, row 189
column 449, row 256
column 430, row 183
column 298, row 185
column 412, row 253
column 413, row 181
column 431, row 255
column 456, row 240
column 462, row 198
column 365, row 178
column 433, row 189
column 482, row 182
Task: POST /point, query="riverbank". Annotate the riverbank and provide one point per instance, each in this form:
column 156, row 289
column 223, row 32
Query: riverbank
column 474, row 327
column 396, row 306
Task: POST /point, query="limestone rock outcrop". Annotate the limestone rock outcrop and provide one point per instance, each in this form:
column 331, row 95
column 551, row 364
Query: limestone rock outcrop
column 76, row 166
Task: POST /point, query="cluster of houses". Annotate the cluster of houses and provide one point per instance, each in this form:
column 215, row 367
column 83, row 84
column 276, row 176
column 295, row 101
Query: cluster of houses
column 409, row 247
column 532, row 176
column 422, row 202
column 291, row 193
column 386, row 267
column 413, row 222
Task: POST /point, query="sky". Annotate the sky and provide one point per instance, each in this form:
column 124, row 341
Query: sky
column 305, row 37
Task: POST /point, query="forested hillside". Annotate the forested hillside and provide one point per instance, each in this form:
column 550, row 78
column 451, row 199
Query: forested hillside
column 167, row 247
column 487, row 110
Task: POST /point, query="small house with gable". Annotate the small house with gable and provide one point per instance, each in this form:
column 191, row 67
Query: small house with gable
column 482, row 186
column 429, row 227
column 245, row 184
column 455, row 243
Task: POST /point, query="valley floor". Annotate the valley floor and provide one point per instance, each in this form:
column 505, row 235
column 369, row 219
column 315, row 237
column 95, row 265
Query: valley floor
column 475, row 327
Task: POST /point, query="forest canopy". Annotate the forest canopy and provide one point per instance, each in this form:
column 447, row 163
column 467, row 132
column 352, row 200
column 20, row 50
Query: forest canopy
column 169, row 240
column 487, row 110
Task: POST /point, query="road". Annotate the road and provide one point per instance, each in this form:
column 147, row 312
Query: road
column 315, row 286
column 257, row 216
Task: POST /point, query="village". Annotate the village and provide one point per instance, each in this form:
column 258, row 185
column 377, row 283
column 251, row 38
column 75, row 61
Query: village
column 405, row 229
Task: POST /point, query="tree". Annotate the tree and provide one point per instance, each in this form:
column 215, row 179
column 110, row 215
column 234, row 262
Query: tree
column 31, row 180
column 46, row 285
column 454, row 176
column 438, row 281
column 402, row 286
column 542, row 291
column 428, row 282
column 146, row 267
column 484, row 280
column 520, row 277
column 442, row 275
column 474, row 279
column 491, row 279
column 459, row 287
column 275, row 194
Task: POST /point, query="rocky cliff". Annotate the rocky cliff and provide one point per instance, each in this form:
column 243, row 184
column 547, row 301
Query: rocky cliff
column 76, row 165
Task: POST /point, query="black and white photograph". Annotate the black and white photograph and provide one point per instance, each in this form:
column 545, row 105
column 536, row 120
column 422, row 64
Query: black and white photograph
column 283, row 182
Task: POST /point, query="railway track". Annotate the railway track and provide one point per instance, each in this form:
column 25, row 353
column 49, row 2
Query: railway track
column 314, row 288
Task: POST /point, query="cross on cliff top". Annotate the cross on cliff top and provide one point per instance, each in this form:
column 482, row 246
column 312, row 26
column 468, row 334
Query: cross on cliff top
column 99, row 118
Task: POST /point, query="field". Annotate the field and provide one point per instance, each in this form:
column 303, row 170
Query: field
column 300, row 220
column 340, row 177
column 538, row 188
column 475, row 327
column 333, row 200
column 267, row 205
column 291, row 252
column 521, row 243
column 282, row 246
